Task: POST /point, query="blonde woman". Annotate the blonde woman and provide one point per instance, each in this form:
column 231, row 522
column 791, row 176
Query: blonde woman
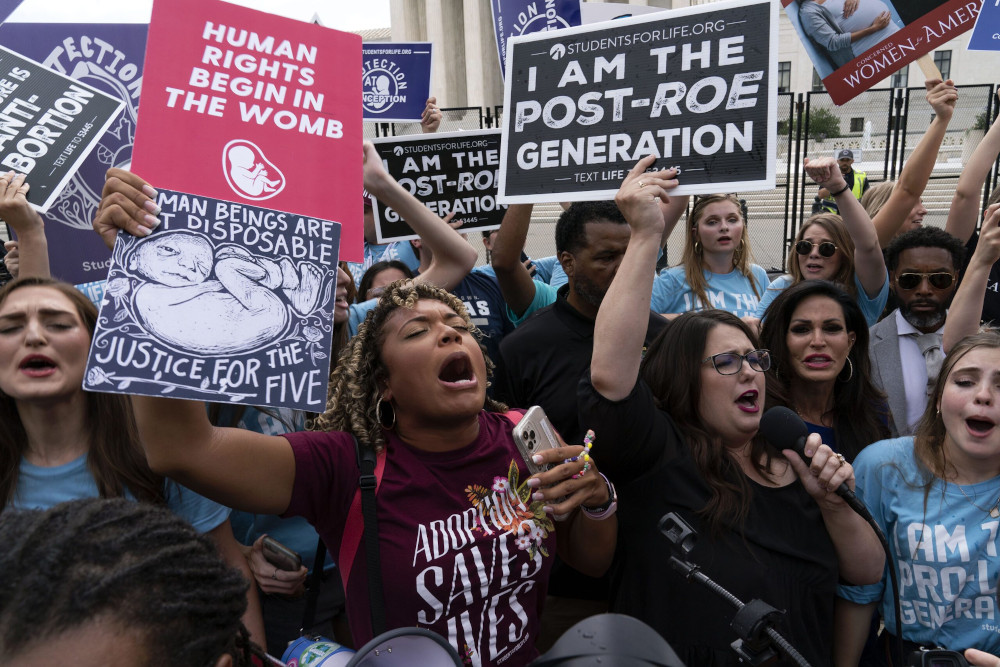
column 716, row 271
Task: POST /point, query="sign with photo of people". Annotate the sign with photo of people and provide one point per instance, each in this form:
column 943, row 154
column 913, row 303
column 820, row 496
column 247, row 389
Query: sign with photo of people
column 854, row 44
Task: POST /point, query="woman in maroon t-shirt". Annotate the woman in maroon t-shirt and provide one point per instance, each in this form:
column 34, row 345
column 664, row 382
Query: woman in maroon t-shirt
column 466, row 538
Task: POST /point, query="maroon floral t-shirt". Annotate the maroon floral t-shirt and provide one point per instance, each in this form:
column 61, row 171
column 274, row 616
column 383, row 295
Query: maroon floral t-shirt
column 464, row 550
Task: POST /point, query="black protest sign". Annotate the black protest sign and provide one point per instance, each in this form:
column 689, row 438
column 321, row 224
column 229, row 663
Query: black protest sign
column 223, row 302
column 448, row 172
column 695, row 87
column 49, row 122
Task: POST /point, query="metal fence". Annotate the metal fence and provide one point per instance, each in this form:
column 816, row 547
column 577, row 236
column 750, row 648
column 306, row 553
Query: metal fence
column 882, row 127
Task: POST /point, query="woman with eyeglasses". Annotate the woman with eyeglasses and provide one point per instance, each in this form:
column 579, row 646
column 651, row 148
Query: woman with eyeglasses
column 716, row 270
column 818, row 340
column 841, row 248
column 679, row 428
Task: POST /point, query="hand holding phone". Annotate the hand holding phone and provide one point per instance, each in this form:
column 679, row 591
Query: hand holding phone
column 277, row 569
column 280, row 556
column 534, row 434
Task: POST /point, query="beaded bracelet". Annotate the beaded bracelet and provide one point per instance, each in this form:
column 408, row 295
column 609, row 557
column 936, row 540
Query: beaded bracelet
column 588, row 442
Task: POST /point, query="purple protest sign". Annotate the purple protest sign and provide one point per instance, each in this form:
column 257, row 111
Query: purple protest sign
column 523, row 17
column 108, row 57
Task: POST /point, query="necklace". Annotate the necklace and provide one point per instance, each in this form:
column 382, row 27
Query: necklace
column 992, row 511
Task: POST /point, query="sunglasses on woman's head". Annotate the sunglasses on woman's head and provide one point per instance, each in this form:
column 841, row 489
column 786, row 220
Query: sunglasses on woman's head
column 910, row 281
column 826, row 248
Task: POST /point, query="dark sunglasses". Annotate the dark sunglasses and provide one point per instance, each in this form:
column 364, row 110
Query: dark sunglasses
column 826, row 248
column 910, row 281
column 730, row 363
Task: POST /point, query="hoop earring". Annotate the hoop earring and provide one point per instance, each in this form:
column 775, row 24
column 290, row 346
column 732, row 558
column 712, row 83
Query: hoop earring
column 697, row 247
column 738, row 253
column 850, row 373
column 381, row 420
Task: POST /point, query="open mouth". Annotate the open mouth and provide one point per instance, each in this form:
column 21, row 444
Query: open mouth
column 747, row 402
column 979, row 425
column 457, row 371
column 37, row 365
column 817, row 361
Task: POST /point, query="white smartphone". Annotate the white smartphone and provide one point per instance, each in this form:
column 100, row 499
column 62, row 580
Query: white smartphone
column 533, row 434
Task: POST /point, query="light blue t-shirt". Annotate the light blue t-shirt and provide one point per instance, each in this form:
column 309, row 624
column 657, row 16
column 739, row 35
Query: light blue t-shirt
column 946, row 558
column 399, row 250
column 40, row 487
column 356, row 314
column 871, row 307
column 545, row 295
column 731, row 291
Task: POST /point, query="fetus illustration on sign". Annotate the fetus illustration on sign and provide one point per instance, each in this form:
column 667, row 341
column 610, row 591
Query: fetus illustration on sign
column 248, row 171
column 216, row 301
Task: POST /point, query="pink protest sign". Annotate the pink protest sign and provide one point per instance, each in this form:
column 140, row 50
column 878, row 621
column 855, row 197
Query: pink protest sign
column 251, row 107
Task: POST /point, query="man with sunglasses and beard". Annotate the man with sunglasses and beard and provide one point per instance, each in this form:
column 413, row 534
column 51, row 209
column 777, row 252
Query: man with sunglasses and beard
column 905, row 347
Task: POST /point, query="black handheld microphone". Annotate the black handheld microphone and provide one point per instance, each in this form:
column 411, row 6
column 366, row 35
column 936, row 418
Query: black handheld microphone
column 785, row 430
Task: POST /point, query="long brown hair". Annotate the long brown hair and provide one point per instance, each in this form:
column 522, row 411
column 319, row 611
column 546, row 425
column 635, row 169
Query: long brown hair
column 115, row 457
column 928, row 439
column 857, row 412
column 694, row 263
column 354, row 383
column 672, row 370
column 833, row 225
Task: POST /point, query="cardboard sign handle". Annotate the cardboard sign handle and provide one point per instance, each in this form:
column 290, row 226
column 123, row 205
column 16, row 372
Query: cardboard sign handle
column 928, row 67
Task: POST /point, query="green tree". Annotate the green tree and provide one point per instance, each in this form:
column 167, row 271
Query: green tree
column 823, row 125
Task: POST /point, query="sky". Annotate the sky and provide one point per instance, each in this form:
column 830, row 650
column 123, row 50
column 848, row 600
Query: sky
column 340, row 14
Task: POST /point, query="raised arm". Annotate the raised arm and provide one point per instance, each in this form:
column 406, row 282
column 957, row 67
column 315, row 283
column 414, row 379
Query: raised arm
column 967, row 307
column 869, row 265
column 942, row 96
column 515, row 281
column 33, row 248
column 430, row 119
column 964, row 212
column 453, row 256
column 620, row 328
column 236, row 467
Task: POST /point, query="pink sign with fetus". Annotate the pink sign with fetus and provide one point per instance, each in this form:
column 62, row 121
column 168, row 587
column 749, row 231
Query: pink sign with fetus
column 245, row 106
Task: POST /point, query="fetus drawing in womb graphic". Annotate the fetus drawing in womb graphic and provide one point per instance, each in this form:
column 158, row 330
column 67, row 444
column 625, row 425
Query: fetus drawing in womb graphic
column 247, row 171
column 216, row 302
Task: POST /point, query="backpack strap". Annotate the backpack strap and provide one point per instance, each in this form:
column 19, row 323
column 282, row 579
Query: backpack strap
column 363, row 521
column 513, row 416
column 312, row 587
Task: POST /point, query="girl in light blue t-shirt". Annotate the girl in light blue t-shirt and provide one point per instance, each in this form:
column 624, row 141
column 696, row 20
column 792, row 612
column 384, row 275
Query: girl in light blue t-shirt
column 716, row 269
column 936, row 496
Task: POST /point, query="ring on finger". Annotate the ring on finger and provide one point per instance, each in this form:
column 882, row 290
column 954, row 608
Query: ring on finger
column 274, row 575
column 642, row 184
column 840, row 457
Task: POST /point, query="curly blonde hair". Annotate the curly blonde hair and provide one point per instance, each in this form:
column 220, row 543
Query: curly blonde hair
column 355, row 383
